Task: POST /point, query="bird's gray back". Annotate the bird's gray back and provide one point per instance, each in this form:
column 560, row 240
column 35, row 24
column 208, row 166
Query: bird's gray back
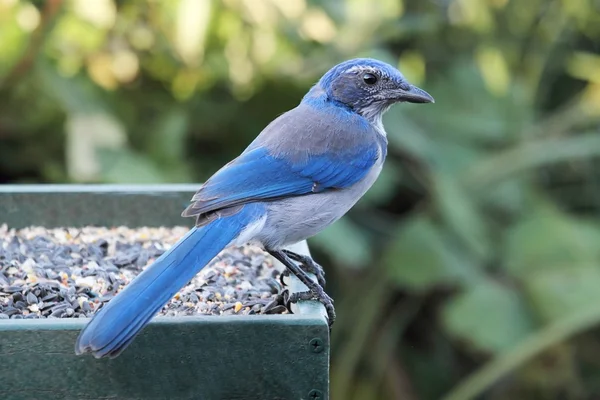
column 308, row 131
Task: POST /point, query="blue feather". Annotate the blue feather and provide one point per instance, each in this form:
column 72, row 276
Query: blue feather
column 266, row 171
column 336, row 71
column 119, row 321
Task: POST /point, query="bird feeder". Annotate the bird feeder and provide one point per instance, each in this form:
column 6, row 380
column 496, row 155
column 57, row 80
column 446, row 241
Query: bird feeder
column 256, row 357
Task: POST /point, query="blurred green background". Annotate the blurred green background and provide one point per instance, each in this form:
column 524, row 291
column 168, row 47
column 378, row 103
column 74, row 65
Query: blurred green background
column 471, row 269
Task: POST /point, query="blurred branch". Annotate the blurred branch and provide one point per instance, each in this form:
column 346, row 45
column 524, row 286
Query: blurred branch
column 399, row 381
column 561, row 121
column 385, row 361
column 530, row 155
column 371, row 307
column 48, row 15
column 555, row 333
column 530, row 37
column 540, row 61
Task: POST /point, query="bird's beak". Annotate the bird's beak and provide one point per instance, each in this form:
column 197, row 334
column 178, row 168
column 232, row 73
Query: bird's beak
column 413, row 95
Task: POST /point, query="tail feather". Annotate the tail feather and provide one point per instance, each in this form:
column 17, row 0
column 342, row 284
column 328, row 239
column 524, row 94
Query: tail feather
column 112, row 329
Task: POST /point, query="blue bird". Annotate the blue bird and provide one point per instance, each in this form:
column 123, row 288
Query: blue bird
column 303, row 172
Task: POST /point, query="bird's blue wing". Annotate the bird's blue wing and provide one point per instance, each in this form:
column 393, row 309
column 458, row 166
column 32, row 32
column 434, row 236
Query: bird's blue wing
column 292, row 159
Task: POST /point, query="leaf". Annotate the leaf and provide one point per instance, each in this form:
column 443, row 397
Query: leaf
column 407, row 135
column 535, row 345
column 169, row 136
column 548, row 240
column 508, row 196
column 452, row 157
column 490, row 317
column 13, row 44
column 420, row 257
column 559, row 293
column 462, row 215
column 556, row 258
column 472, row 114
column 531, row 155
column 77, row 95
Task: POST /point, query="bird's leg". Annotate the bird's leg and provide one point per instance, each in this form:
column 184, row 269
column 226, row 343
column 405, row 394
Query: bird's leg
column 308, row 265
column 315, row 291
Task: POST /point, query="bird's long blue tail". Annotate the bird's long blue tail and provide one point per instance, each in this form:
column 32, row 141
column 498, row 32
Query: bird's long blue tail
column 118, row 322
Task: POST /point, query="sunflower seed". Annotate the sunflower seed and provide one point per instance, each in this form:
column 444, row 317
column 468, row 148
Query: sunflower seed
column 71, row 273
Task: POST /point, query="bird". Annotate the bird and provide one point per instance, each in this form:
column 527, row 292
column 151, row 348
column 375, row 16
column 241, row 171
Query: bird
column 302, row 173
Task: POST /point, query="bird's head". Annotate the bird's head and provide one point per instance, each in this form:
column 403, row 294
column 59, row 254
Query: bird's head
column 368, row 87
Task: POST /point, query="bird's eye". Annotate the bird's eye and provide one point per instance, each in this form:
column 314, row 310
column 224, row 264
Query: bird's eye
column 370, row 79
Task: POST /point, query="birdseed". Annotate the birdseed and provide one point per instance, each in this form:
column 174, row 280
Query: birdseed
column 71, row 272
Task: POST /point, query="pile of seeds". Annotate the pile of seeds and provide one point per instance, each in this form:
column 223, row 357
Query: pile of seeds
column 70, row 273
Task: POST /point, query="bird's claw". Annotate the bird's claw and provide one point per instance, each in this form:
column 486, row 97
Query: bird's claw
column 308, row 265
column 320, row 296
column 283, row 275
column 315, row 290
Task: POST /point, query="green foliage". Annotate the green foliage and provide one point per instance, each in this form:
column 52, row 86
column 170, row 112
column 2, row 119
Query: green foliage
column 474, row 256
column 427, row 257
column 492, row 316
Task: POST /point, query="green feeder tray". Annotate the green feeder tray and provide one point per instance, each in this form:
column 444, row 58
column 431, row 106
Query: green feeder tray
column 253, row 357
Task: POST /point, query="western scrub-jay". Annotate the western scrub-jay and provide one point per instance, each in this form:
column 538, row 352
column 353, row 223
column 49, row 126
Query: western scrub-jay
column 304, row 171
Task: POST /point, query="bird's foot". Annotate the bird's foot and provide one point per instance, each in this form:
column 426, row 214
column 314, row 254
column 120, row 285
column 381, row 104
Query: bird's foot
column 307, row 264
column 320, row 296
column 315, row 291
